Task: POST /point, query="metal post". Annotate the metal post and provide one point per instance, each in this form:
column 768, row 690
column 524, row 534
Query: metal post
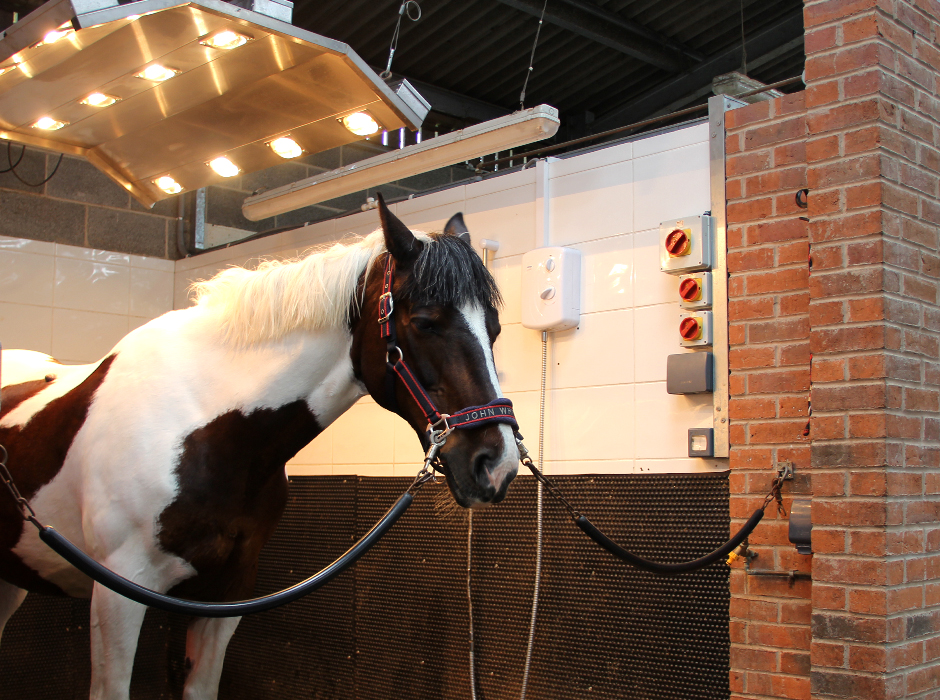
column 717, row 106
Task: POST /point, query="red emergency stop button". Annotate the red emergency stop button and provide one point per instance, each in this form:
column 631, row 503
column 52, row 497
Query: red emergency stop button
column 678, row 243
column 690, row 328
column 690, row 289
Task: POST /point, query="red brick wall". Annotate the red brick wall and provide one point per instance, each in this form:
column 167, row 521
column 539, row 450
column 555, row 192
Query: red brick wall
column 873, row 120
column 863, row 138
column 768, row 252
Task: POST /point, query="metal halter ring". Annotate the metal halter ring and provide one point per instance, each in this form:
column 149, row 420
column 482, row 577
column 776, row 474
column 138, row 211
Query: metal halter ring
column 438, row 435
column 389, row 352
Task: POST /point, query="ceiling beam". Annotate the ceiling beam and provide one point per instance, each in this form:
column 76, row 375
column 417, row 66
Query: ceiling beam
column 633, row 27
column 764, row 42
column 575, row 18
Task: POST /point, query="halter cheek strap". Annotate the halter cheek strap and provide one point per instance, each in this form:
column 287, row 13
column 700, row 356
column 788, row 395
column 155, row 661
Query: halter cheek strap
column 496, row 411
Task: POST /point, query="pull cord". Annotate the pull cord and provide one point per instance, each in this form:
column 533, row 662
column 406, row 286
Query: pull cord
column 407, row 7
column 538, row 523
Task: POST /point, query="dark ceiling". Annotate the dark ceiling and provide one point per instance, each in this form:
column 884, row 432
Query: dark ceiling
column 616, row 61
column 602, row 63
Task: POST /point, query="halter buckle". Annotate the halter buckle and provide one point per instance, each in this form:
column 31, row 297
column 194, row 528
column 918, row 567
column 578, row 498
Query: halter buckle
column 390, row 300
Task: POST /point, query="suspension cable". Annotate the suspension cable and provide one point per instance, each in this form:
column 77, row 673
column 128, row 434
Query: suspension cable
column 528, row 72
column 406, row 9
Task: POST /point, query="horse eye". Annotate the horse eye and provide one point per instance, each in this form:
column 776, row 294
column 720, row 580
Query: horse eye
column 423, row 324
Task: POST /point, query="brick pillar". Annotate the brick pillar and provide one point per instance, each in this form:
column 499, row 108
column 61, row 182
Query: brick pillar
column 768, row 254
column 872, row 121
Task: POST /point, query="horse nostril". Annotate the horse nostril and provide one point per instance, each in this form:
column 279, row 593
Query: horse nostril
column 483, row 461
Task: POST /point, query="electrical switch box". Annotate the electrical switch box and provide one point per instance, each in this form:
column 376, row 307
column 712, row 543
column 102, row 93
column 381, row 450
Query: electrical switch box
column 551, row 289
column 695, row 290
column 686, row 245
column 701, row 442
column 690, row 373
column 695, row 328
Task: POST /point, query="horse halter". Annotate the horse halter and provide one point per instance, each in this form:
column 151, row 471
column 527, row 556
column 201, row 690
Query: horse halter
column 440, row 425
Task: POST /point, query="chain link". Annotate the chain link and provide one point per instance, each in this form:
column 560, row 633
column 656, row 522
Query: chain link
column 26, row 510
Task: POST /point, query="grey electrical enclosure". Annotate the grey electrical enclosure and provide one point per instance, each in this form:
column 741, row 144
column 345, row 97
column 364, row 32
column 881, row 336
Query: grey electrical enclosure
column 690, row 373
column 801, row 525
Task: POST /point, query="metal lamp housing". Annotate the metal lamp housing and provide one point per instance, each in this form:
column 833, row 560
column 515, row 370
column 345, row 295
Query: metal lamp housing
column 231, row 100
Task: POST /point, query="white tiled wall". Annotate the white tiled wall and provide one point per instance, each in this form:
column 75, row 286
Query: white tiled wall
column 607, row 406
column 76, row 303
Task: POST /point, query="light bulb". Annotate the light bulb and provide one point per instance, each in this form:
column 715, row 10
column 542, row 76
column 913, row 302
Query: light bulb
column 168, row 185
column 157, row 73
column 99, row 99
column 225, row 40
column 361, row 124
column 224, row 167
column 286, row 147
column 48, row 124
column 56, row 34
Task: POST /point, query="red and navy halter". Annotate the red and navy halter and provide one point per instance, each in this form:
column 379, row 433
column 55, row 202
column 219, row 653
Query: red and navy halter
column 496, row 411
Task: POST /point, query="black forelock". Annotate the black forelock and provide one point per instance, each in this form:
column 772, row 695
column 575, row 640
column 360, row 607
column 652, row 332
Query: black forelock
column 448, row 272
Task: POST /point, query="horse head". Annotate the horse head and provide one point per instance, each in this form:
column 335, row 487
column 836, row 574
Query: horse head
column 444, row 324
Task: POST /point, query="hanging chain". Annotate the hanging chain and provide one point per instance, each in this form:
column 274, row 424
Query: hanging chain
column 26, row 510
column 775, row 495
column 532, row 58
column 406, row 9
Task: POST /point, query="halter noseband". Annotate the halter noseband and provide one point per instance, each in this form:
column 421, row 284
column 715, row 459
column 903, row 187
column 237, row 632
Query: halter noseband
column 439, row 424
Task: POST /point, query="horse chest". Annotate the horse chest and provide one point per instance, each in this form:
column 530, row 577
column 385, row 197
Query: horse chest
column 232, row 491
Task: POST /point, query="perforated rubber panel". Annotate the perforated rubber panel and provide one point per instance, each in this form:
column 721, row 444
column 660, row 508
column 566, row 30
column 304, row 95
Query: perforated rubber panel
column 396, row 626
column 304, row 649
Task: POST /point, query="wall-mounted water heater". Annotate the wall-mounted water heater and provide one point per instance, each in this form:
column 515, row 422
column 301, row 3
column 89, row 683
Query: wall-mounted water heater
column 551, row 289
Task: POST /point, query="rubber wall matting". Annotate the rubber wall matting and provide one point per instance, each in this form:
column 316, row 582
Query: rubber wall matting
column 396, row 626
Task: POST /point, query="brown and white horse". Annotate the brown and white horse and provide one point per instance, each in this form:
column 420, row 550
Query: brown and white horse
column 165, row 461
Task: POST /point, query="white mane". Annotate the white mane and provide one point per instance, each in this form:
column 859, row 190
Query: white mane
column 280, row 297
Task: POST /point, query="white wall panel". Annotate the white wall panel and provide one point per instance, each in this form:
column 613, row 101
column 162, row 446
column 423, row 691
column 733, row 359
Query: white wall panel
column 506, row 215
column 598, row 352
column 591, row 204
column 89, row 285
column 651, row 285
column 76, row 303
column 590, row 423
column 27, row 278
column 85, row 336
column 655, row 336
column 26, row 326
column 607, row 274
column 663, row 421
column 670, row 185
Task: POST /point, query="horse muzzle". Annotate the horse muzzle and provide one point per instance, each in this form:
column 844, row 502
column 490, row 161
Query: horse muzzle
column 481, row 475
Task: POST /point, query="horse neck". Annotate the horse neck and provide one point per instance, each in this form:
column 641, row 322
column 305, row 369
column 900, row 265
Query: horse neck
column 313, row 366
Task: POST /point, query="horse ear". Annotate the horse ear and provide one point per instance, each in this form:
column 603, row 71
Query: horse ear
column 399, row 240
column 457, row 227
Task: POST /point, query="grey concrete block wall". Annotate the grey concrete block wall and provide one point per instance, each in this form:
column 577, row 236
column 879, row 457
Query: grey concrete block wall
column 79, row 206
column 82, row 206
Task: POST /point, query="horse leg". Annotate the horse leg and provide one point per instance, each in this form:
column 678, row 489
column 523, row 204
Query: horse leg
column 10, row 599
column 115, row 627
column 206, row 641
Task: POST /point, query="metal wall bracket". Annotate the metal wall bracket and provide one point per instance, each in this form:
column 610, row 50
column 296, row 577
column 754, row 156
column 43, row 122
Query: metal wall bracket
column 786, row 470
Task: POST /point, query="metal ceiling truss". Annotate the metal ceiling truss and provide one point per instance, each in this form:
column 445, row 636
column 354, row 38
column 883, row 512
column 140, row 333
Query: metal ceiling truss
column 787, row 32
column 613, row 31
